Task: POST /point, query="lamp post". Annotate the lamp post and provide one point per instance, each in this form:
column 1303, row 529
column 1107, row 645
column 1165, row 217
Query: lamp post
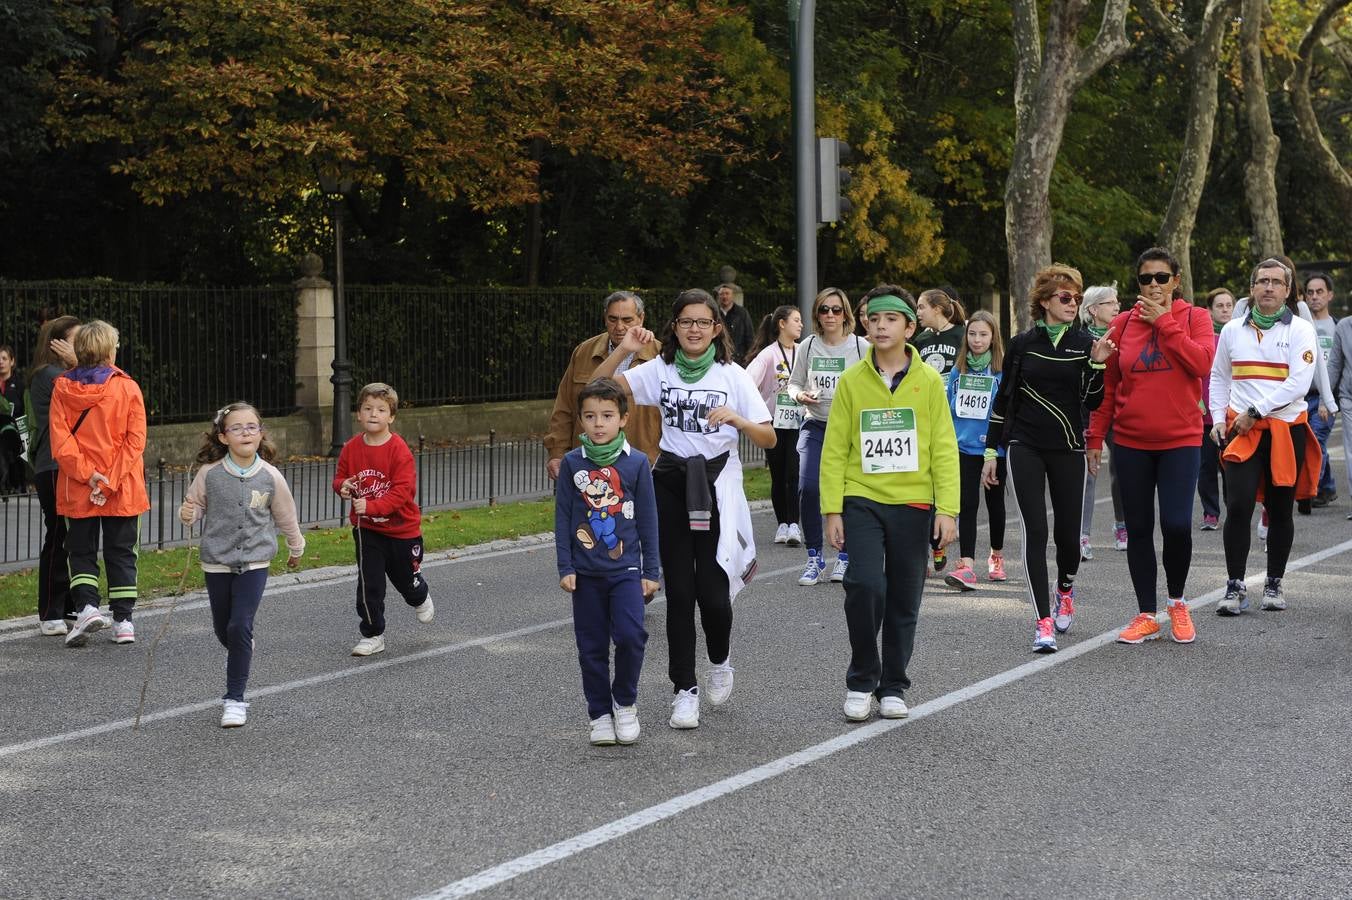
column 336, row 187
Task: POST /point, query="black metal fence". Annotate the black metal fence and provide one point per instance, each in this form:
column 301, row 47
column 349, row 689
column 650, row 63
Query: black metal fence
column 448, row 477
column 474, row 345
column 190, row 349
column 193, row 349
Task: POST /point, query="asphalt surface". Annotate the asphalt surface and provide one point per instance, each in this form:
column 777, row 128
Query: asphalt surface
column 449, row 762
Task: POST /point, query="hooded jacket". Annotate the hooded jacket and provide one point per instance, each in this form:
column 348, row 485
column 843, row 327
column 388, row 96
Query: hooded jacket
column 110, row 441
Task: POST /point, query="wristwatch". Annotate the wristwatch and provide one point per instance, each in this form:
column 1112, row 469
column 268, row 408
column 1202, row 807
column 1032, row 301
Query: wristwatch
column 1253, row 413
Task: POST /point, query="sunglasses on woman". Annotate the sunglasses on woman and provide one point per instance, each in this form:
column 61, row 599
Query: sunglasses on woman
column 1158, row 277
column 830, row 310
column 1068, row 298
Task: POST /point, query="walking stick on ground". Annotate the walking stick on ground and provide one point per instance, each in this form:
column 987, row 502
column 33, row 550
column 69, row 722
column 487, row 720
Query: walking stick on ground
column 150, row 654
column 361, row 580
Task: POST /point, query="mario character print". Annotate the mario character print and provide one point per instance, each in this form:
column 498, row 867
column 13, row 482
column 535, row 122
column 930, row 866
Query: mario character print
column 604, row 495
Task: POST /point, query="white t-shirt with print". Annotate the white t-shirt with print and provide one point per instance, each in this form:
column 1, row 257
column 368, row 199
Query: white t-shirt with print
column 686, row 407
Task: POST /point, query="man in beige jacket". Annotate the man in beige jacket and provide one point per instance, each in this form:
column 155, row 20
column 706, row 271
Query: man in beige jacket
column 623, row 310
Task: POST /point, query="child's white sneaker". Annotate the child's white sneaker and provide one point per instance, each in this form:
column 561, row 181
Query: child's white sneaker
column 720, row 682
column 235, row 714
column 893, row 708
column 369, row 646
column 782, row 533
column 626, row 724
column 858, row 705
column 425, row 611
column 124, row 632
column 52, row 627
column 795, row 535
column 89, row 621
column 603, row 731
column 685, row 709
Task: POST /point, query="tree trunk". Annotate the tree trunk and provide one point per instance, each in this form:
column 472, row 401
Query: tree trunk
column 1045, row 84
column 1307, row 125
column 1260, row 170
column 1202, row 71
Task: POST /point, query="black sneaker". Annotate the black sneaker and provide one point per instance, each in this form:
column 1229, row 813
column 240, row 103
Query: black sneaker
column 1303, row 507
column 1235, row 601
column 1273, row 599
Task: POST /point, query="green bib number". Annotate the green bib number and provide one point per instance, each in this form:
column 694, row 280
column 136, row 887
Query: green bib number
column 824, row 373
column 788, row 414
column 888, row 441
column 973, row 399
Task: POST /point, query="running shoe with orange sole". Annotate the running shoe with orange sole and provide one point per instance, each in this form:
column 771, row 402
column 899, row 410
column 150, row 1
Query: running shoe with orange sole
column 1141, row 629
column 1180, row 623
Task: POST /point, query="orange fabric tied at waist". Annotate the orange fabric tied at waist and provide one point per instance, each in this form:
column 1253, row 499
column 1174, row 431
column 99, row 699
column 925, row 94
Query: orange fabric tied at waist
column 1282, row 470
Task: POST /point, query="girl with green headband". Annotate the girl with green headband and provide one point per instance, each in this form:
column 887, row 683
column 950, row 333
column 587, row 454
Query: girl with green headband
column 708, row 550
column 889, row 475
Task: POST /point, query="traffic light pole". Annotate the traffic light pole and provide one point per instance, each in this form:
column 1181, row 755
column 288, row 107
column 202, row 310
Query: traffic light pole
column 802, row 14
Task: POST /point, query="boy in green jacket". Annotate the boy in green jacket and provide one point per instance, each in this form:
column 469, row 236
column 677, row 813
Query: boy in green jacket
column 889, row 463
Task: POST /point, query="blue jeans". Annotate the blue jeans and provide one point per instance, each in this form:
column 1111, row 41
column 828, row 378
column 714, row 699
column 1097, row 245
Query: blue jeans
column 234, row 603
column 605, row 610
column 810, row 438
column 1321, row 431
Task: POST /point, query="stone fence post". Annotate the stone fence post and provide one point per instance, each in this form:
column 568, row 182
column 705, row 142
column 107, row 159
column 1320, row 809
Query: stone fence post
column 314, row 351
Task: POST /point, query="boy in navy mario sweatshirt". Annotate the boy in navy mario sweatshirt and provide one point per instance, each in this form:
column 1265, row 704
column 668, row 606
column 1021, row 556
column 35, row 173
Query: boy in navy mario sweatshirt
column 605, row 535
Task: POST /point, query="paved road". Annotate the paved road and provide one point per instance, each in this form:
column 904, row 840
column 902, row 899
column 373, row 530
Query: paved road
column 449, row 763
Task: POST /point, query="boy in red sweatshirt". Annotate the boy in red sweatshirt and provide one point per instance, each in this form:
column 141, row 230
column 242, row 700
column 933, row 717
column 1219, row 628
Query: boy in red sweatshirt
column 376, row 472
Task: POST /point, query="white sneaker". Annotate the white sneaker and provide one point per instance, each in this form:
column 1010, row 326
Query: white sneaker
column 236, row 713
column 89, row 621
column 685, row 709
column 842, row 566
column 603, row 731
column 782, row 533
column 858, row 705
column 425, row 611
column 795, row 535
column 720, row 682
column 626, row 724
column 52, row 627
column 369, row 646
column 124, row 632
column 893, row 708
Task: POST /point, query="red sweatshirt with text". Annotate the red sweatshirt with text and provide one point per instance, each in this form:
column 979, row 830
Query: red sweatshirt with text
column 1152, row 387
column 388, row 480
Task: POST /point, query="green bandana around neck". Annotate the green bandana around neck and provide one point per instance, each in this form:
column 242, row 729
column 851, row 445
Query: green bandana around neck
column 1217, row 326
column 978, row 362
column 1262, row 321
column 602, row 454
column 1054, row 332
column 692, row 370
column 1097, row 331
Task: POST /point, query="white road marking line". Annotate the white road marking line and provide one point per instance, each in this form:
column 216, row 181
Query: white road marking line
column 569, row 847
column 353, row 671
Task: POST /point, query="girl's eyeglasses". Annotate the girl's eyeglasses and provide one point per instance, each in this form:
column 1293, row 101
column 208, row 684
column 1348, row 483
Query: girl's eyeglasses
column 1158, row 277
column 239, row 428
column 701, row 324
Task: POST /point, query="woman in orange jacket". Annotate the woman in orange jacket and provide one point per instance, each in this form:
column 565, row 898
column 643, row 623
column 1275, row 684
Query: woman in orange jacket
column 98, row 433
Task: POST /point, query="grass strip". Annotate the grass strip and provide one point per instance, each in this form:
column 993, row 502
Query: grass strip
column 159, row 571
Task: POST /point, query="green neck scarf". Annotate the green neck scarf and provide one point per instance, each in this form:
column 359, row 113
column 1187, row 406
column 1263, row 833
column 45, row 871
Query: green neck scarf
column 602, row 454
column 1097, row 331
column 1265, row 322
column 1217, row 326
column 978, row 362
column 1054, row 332
column 692, row 370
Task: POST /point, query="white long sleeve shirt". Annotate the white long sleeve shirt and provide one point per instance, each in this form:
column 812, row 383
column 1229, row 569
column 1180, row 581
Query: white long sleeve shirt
column 1269, row 370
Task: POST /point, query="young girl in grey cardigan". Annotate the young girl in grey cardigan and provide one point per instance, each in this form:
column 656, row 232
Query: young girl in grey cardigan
column 242, row 500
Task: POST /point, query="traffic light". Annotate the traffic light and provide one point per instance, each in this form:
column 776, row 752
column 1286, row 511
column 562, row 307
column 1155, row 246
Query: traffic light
column 833, row 179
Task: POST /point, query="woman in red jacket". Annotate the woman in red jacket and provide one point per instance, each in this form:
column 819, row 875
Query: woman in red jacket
column 1152, row 402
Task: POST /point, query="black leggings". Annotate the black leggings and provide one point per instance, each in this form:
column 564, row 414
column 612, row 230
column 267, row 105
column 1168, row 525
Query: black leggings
column 693, row 578
column 1170, row 475
column 1033, row 473
column 782, row 461
column 970, row 466
column 1242, row 481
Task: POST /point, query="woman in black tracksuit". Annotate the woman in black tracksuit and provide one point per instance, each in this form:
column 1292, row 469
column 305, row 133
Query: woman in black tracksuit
column 1051, row 372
